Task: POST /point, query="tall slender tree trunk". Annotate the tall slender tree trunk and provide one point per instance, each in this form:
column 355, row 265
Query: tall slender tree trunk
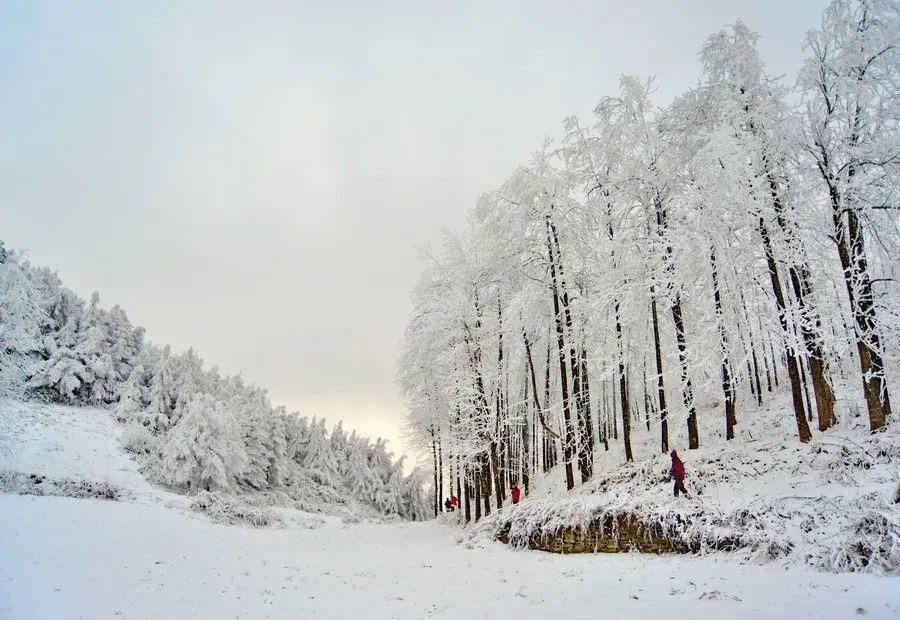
column 613, row 417
column 660, row 386
column 550, row 445
column 687, row 389
column 495, row 470
column 525, row 454
column 583, row 422
column 440, row 466
column 793, row 372
column 727, row 384
column 468, row 495
column 586, row 400
column 751, row 345
column 437, row 495
column 569, row 441
column 774, row 359
column 450, row 472
column 810, row 322
column 500, row 413
column 486, row 483
column 604, row 428
column 623, row 388
column 647, row 405
column 537, row 404
column 854, row 262
column 458, row 482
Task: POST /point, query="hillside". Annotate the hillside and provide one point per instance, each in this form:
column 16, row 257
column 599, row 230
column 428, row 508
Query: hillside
column 190, row 429
column 147, row 555
column 829, row 504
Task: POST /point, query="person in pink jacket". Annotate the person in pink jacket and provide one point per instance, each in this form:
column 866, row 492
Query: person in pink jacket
column 678, row 474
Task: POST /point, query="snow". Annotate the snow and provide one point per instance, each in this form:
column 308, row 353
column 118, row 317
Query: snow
column 810, row 504
column 149, row 556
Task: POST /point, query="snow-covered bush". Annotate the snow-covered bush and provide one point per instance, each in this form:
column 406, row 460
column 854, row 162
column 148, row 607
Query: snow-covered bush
column 35, row 484
column 231, row 510
column 872, row 546
column 137, row 439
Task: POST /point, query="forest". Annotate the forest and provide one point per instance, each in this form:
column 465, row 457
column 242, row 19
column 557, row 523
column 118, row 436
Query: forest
column 655, row 260
column 190, row 428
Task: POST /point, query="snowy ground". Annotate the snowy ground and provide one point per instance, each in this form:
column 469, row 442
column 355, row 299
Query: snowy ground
column 149, row 557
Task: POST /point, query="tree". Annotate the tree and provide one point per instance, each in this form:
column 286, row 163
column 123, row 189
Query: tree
column 851, row 87
column 203, row 450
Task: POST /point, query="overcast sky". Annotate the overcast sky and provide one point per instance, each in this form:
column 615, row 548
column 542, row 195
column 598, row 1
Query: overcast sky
column 253, row 178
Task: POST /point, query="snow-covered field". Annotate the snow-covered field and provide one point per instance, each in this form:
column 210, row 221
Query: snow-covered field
column 148, row 556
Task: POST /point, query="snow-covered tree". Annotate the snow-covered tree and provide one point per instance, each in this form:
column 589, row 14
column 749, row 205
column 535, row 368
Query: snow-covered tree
column 203, row 450
column 319, row 457
column 851, row 88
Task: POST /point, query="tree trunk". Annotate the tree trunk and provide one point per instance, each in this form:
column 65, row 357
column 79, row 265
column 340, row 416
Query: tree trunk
column 584, row 443
column 500, row 407
column 586, row 400
column 437, row 495
column 727, row 385
column 569, row 441
column 661, row 390
column 687, row 390
column 458, row 483
column 486, row 483
column 774, row 360
column 793, row 373
column 852, row 253
column 495, row 469
column 750, row 344
column 647, row 405
column 525, row 452
column 810, row 322
column 623, row 388
column 615, row 423
column 440, row 466
column 468, row 495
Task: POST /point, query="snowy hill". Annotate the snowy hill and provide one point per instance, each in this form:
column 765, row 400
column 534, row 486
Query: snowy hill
column 147, row 555
column 190, row 428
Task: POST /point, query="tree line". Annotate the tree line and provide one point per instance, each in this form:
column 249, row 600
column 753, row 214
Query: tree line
column 657, row 260
column 190, row 428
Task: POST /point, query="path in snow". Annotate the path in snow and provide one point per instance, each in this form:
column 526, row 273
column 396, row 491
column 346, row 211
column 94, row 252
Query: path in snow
column 68, row 558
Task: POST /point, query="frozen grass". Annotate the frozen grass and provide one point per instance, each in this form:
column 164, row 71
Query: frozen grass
column 230, row 510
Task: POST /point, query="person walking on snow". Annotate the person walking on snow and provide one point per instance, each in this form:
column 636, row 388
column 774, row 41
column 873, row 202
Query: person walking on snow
column 678, row 474
column 454, row 502
column 448, row 506
column 516, row 493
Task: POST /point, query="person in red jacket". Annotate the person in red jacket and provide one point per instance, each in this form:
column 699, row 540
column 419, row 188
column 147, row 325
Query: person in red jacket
column 454, row 502
column 516, row 493
column 678, row 474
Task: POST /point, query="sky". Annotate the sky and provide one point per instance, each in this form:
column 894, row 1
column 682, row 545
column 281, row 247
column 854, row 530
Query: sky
column 254, row 179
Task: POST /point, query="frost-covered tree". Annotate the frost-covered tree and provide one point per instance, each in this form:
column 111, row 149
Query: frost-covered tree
column 319, row 457
column 131, row 396
column 190, row 427
column 22, row 321
column 657, row 249
column 203, row 451
column 851, row 89
column 415, row 501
